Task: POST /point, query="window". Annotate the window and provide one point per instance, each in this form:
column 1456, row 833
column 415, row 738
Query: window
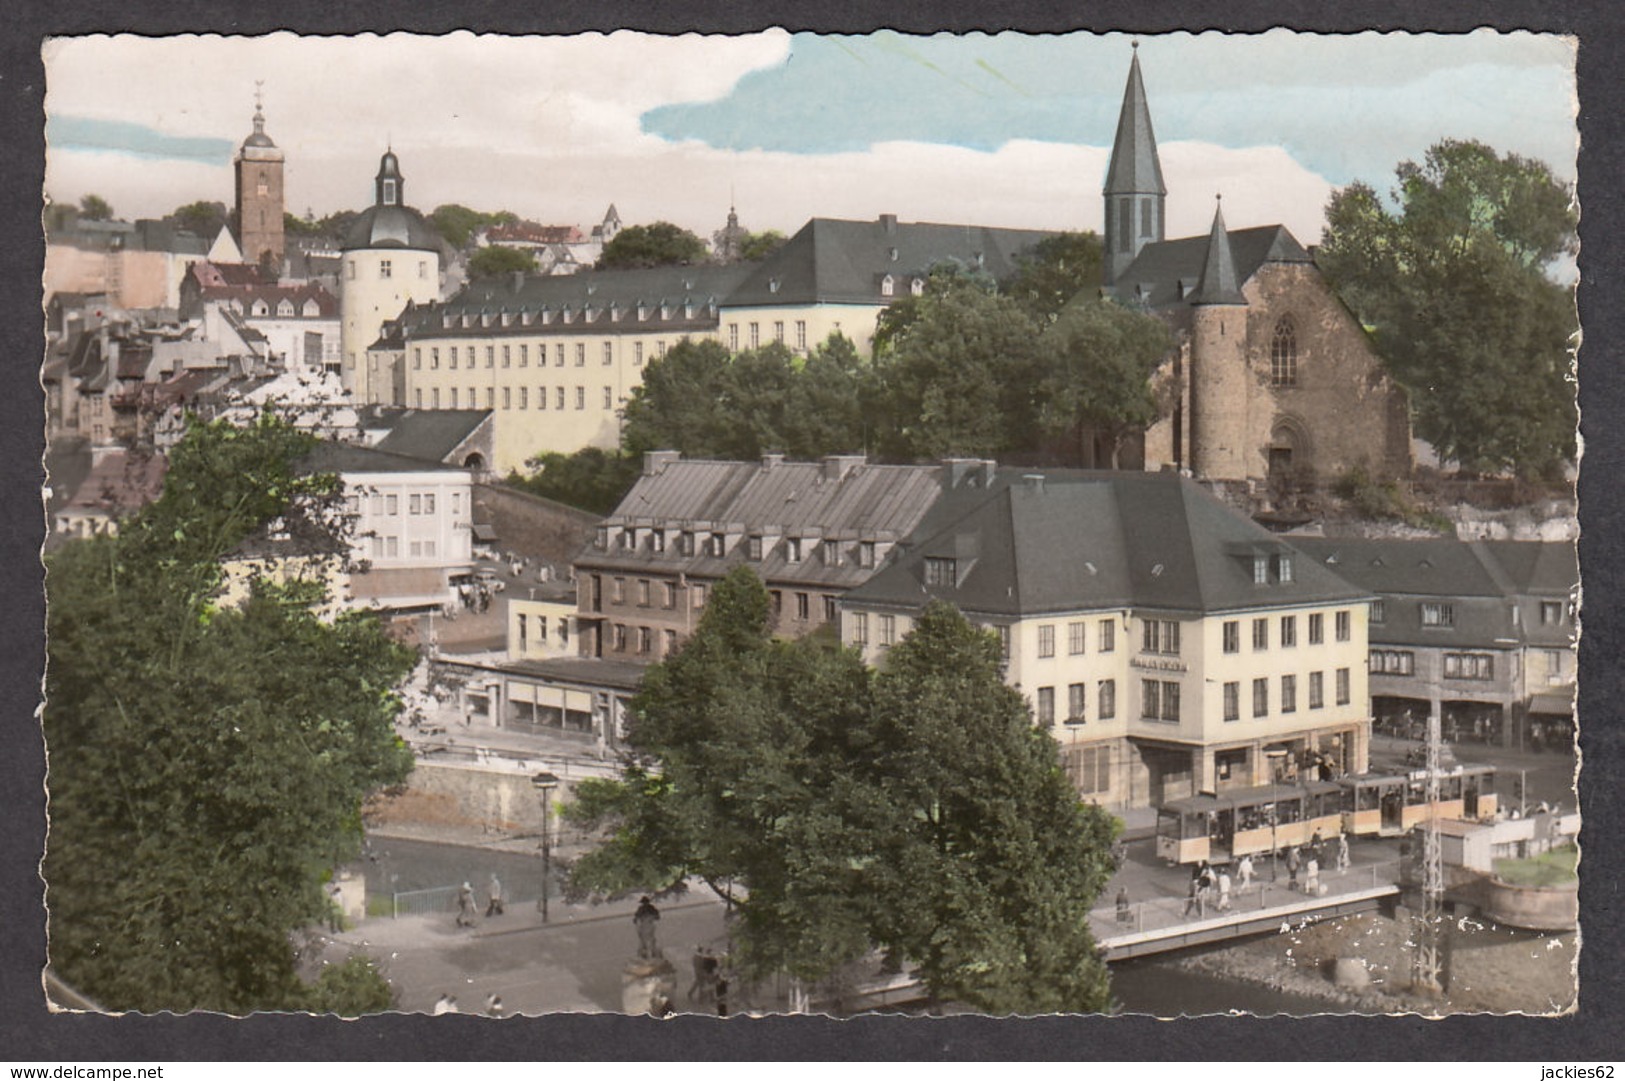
column 753, row 548
column 392, row 504
column 609, row 352
column 1261, row 697
column 637, row 353
column 1317, row 690
column 1159, row 700
column 434, row 358
column 1342, row 686
column 452, row 357
column 1435, row 614
column 668, row 595
column 490, row 396
column 1046, row 640
column 417, row 397
column 792, row 550
column 866, row 554
column 609, row 398
column 1283, row 568
column 558, row 355
column 1317, row 628
column 860, row 628
column 1345, row 625
column 417, row 358
column 617, row 590
column 1108, row 636
column 558, row 398
column 1090, row 768
column 646, row 640
column 1046, row 707
column 454, row 397
column 1289, row 631
column 1075, row 635
column 507, row 397
column 643, row 592
column 524, row 355
column 778, row 331
column 1232, row 636
column 1261, row 571
column 801, row 334
column 1146, row 218
column 1551, row 612
column 428, row 503
column 581, row 354
column 1379, row 611
column 1469, row 666
column 733, row 338
column 1284, row 355
column 940, row 571
column 698, row 592
column 581, row 397
column 1289, row 694
column 1108, row 699
column 1160, row 636
column 385, row 269
column 1232, row 701
column 755, row 335
column 524, row 397
column 619, row 638
column 829, row 609
column 831, row 553
column 804, row 610
column 507, row 355
column 1391, row 662
column 1077, row 699
column 1261, row 635
column 490, row 357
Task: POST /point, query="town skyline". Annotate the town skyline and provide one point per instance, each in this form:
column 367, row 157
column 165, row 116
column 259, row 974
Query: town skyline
column 680, row 128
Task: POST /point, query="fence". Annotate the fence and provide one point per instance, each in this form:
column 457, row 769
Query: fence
column 443, row 899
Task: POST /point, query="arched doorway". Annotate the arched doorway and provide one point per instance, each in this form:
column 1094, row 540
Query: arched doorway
column 1290, row 452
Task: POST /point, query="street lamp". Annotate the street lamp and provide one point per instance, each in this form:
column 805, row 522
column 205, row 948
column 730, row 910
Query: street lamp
column 544, row 783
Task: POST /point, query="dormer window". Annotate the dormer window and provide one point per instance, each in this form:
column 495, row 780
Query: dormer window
column 792, row 550
column 261, row 308
column 569, row 314
column 754, row 551
column 445, row 320
column 1261, row 570
column 601, row 542
column 284, row 310
column 1283, row 568
column 772, row 285
column 941, row 571
column 547, row 316
column 507, row 319
column 888, row 286
column 917, row 286
column 866, row 554
column 657, row 540
column 665, row 310
column 719, row 545
column 643, row 310
column 311, row 309
column 685, row 543
column 688, row 310
column 629, row 539
column 468, row 320
column 615, row 313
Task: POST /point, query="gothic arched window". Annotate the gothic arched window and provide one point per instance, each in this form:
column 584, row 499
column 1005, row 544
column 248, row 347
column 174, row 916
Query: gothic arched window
column 1284, row 355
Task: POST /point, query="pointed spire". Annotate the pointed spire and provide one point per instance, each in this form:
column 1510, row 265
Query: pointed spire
column 1135, row 168
column 1219, row 285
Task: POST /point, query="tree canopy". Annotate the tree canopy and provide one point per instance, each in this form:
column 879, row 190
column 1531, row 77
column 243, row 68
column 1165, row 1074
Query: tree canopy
column 914, row 810
column 1095, row 367
column 202, row 218
column 1054, row 272
column 94, row 208
column 457, row 224
column 1453, row 282
column 592, row 478
column 495, row 261
column 658, row 244
column 208, row 762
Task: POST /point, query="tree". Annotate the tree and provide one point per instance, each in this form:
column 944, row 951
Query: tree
column 1095, row 367
column 496, row 261
column 95, row 208
column 207, row 763
column 954, row 373
column 592, row 478
column 758, row 246
column 676, row 405
column 1455, row 288
column 824, row 408
column 1054, row 272
column 202, row 218
column 457, row 224
column 916, row 811
column 659, row 244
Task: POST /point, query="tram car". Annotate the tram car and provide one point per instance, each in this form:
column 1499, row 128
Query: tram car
column 1248, row 821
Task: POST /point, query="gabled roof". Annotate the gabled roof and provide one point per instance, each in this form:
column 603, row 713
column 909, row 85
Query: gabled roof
column 834, row 261
column 327, row 305
column 1078, row 541
column 121, row 482
column 1155, row 275
column 431, row 435
column 1134, row 166
column 341, row 458
column 1438, row 567
column 216, row 275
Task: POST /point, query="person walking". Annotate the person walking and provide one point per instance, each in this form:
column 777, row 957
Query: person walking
column 494, row 1007
column 1124, row 915
column 1224, row 889
column 493, row 907
column 645, row 920
column 465, row 905
column 1342, row 852
column 705, row 975
column 1292, row 862
column 444, row 1004
column 1311, row 879
column 335, row 909
column 1245, row 870
column 1194, row 901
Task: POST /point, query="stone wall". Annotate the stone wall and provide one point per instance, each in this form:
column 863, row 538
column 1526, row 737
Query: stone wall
column 494, row 798
column 539, row 530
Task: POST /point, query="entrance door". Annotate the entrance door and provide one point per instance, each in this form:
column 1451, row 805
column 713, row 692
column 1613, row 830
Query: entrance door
column 1393, row 810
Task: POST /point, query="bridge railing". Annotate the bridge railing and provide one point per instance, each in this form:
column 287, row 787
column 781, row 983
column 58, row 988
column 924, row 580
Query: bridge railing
column 1111, row 920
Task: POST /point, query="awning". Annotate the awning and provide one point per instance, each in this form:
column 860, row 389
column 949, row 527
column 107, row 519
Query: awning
column 1559, row 702
column 485, row 533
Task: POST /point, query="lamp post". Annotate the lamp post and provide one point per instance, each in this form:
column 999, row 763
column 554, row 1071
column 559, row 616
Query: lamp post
column 545, row 783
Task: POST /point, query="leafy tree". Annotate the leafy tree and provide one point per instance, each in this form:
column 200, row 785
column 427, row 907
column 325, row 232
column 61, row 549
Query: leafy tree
column 1056, row 271
column 954, row 375
column 676, row 405
column 758, row 246
column 351, row 988
column 95, row 208
column 202, row 218
column 496, row 261
column 990, row 863
column 1454, row 285
column 1096, row 363
column 207, row 762
column 824, row 407
column 457, row 224
column 659, row 244
column 916, row 811
column 592, row 478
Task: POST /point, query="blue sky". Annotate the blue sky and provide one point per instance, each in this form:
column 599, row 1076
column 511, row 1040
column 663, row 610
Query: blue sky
column 1003, row 130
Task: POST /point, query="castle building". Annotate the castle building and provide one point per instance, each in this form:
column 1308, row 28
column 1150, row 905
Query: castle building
column 391, row 259
column 258, row 214
column 1272, row 382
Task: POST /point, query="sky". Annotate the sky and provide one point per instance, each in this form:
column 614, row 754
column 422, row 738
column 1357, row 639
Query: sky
column 1008, row 129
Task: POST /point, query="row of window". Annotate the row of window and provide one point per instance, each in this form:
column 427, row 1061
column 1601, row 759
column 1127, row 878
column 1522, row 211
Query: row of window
column 469, row 356
column 1287, row 636
column 644, row 590
column 1077, row 701
column 1402, row 662
column 641, row 640
column 454, row 400
column 1289, row 694
column 540, row 638
column 758, row 546
column 390, row 548
column 803, row 612
column 754, row 335
column 417, row 503
column 1442, row 614
column 1077, row 635
column 386, row 269
column 567, row 314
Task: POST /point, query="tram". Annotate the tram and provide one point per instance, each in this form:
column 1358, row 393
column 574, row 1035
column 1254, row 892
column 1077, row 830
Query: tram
column 1229, row 825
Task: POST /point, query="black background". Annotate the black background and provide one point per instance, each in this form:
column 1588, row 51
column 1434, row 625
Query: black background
column 29, row 1033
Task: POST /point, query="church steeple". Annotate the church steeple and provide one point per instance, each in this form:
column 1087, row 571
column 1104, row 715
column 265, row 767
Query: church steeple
column 389, row 186
column 1134, row 191
column 1218, row 285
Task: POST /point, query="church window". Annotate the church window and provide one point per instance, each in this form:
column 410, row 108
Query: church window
column 1125, row 225
column 1146, row 218
column 1284, row 355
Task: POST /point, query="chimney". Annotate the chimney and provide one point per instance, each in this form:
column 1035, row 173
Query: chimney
column 656, row 461
column 1033, row 482
column 967, row 472
column 888, row 222
column 838, row 466
column 518, row 278
column 769, row 461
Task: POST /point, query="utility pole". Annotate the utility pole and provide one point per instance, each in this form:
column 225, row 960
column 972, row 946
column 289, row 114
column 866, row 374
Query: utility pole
column 545, row 783
column 1426, row 967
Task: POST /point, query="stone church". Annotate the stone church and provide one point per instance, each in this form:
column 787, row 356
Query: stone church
column 1273, row 384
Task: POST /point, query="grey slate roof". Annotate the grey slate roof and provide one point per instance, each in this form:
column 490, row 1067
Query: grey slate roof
column 1155, row 275
column 1134, row 167
column 1219, row 284
column 835, row 261
column 331, row 457
column 430, row 435
column 1080, row 540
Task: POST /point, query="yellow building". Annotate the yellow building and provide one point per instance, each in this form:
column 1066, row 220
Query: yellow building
column 1170, row 645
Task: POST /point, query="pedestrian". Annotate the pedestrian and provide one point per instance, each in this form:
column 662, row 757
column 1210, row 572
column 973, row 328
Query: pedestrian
column 493, row 907
column 1343, row 859
column 1314, row 845
column 1123, row 913
column 705, row 968
column 1292, row 862
column 1245, row 870
column 1194, row 901
column 645, row 920
column 1224, row 890
column 720, row 992
column 465, row 905
column 1119, row 855
column 1311, row 878
column 493, row 1006
column 444, row 1004
column 335, row 909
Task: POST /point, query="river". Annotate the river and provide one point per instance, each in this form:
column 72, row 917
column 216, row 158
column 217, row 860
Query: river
column 1157, row 985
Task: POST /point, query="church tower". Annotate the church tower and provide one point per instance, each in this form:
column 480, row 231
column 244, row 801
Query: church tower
column 1134, row 191
column 258, row 214
column 1221, row 381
